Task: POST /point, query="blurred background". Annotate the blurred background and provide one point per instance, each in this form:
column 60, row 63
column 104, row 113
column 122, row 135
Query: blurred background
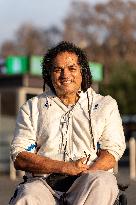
column 106, row 30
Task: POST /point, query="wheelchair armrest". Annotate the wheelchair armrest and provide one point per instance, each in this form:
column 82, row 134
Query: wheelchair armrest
column 123, row 187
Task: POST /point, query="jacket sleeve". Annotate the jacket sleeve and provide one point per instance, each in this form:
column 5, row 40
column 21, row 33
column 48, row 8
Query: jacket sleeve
column 24, row 136
column 113, row 139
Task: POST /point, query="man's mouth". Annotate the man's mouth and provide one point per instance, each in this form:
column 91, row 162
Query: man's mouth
column 66, row 82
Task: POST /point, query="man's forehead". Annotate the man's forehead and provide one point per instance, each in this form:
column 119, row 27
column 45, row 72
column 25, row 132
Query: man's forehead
column 66, row 58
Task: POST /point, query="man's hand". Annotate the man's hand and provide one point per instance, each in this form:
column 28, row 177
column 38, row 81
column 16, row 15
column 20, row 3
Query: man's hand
column 75, row 168
column 105, row 161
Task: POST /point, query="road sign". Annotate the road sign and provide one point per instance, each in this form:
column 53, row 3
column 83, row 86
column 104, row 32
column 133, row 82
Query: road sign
column 16, row 65
column 96, row 71
column 35, row 65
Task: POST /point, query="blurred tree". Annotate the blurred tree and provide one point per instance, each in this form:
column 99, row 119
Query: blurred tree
column 30, row 40
column 8, row 48
column 117, row 19
column 78, row 24
column 110, row 28
column 122, row 86
column 53, row 35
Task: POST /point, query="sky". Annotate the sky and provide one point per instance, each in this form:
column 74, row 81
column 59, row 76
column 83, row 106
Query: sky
column 42, row 13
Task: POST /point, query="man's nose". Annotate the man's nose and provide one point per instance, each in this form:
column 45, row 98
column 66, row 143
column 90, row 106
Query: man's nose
column 65, row 73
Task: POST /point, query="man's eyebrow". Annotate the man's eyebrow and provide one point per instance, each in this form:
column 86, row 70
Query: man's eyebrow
column 55, row 67
column 64, row 66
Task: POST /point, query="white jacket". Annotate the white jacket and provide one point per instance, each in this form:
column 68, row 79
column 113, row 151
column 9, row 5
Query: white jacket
column 49, row 128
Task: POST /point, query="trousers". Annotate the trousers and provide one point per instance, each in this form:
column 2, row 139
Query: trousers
column 96, row 188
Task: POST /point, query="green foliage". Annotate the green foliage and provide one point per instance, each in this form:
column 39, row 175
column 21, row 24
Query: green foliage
column 122, row 86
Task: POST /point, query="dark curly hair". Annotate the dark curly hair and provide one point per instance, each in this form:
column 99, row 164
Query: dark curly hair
column 48, row 61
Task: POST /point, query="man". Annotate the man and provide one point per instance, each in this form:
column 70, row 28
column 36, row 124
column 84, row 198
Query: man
column 57, row 135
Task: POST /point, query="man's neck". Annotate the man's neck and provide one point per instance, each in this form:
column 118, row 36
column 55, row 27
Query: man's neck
column 70, row 99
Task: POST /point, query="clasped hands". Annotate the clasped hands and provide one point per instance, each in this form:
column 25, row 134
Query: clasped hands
column 77, row 167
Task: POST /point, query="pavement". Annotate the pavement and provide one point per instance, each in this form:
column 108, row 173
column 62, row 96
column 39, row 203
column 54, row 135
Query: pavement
column 7, row 187
column 123, row 178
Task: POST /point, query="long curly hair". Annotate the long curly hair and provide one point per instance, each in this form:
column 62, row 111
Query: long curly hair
column 48, row 61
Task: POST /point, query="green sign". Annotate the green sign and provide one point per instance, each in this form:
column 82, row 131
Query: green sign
column 35, row 65
column 96, row 71
column 16, row 65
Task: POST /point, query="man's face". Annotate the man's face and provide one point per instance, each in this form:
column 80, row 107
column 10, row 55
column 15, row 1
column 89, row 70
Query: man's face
column 66, row 74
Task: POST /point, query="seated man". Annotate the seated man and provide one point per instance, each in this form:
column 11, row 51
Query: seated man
column 57, row 133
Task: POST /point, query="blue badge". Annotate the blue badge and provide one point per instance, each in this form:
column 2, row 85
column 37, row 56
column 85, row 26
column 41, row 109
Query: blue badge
column 31, row 147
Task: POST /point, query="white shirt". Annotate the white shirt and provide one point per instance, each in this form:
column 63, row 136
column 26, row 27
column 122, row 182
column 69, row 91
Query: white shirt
column 49, row 128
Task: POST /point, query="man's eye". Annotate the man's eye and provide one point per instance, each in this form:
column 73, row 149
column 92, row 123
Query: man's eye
column 57, row 70
column 72, row 68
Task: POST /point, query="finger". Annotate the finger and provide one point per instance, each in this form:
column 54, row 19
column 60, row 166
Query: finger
column 83, row 160
column 85, row 172
column 85, row 167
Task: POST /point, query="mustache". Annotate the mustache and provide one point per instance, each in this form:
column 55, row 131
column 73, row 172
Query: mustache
column 66, row 79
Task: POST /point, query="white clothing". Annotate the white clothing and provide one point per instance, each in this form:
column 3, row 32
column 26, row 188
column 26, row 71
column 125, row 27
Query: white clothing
column 97, row 188
column 63, row 134
column 49, row 128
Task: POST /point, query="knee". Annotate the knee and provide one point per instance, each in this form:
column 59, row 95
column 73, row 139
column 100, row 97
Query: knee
column 29, row 199
column 26, row 199
column 104, row 181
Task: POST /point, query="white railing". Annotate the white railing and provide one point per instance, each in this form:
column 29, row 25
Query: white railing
column 132, row 157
